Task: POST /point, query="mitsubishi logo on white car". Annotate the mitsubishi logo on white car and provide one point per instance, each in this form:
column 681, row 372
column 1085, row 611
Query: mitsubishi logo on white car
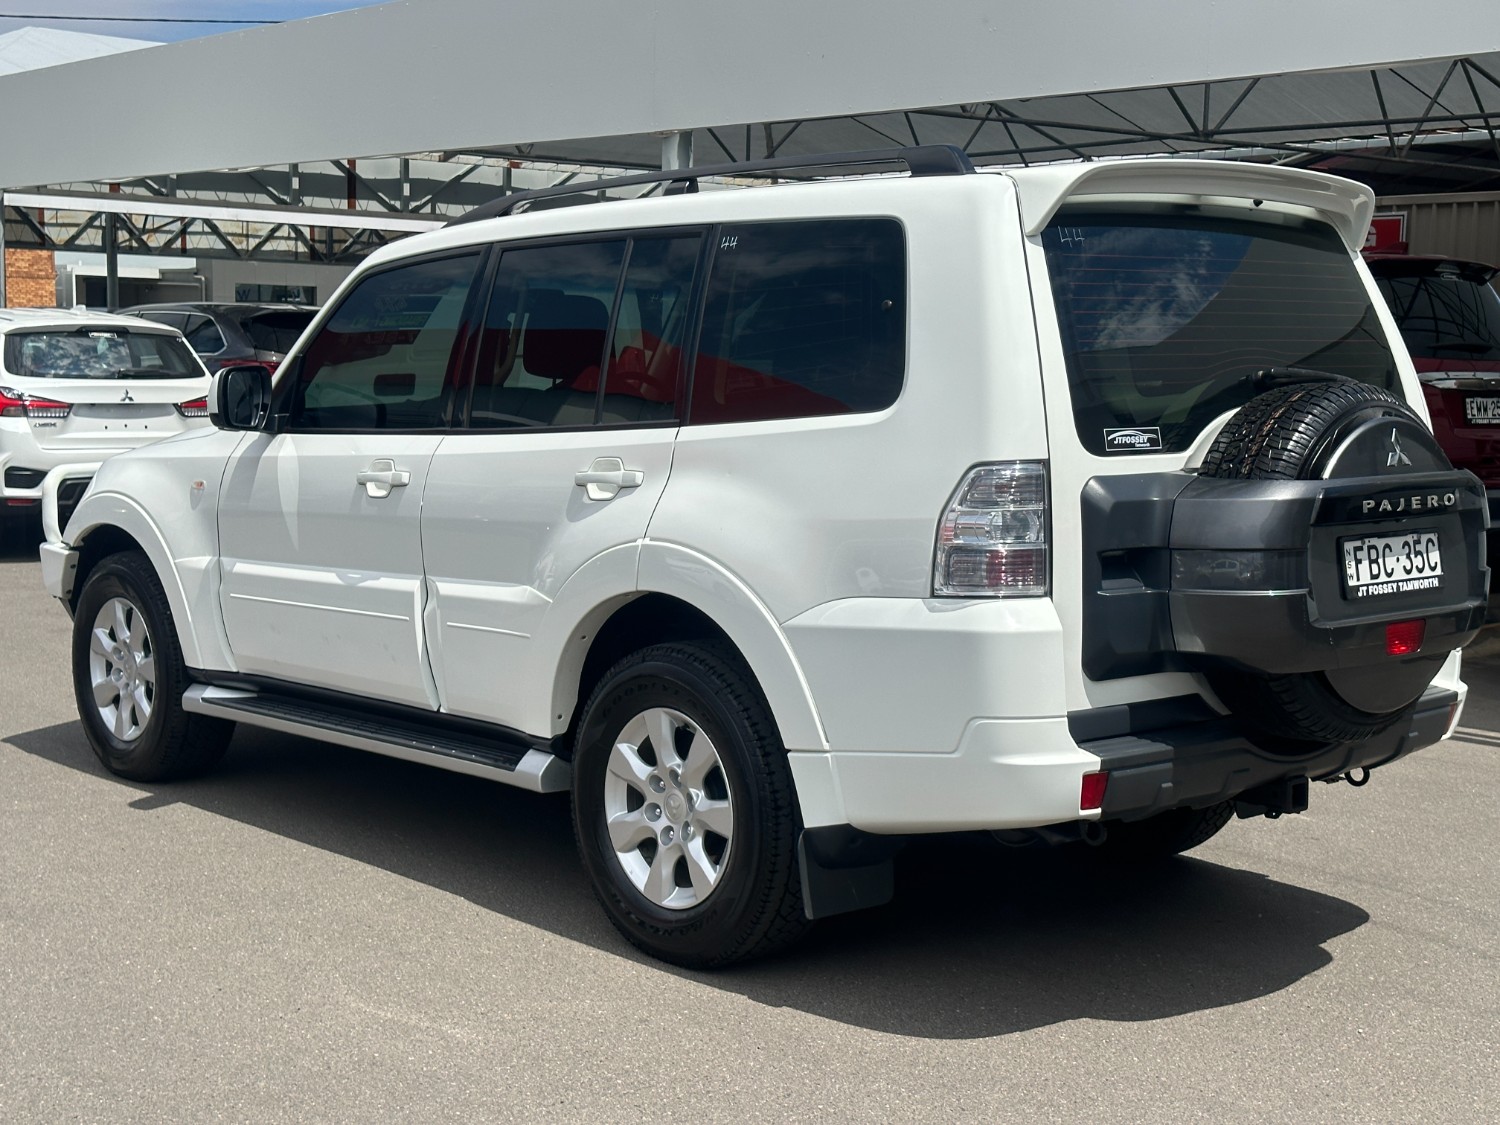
column 126, row 397
column 1395, row 457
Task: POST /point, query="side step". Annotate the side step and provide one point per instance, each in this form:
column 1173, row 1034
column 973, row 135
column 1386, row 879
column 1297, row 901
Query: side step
column 460, row 751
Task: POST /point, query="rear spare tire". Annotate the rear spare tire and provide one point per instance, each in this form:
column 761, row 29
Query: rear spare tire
column 1307, row 431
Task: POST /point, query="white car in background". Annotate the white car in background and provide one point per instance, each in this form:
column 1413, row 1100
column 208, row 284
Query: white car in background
column 77, row 386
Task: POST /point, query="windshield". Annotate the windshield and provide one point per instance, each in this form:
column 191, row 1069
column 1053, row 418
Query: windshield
column 1167, row 315
column 277, row 331
column 99, row 353
column 1443, row 315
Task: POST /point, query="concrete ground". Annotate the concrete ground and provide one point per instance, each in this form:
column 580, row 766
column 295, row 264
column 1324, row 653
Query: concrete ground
column 313, row 934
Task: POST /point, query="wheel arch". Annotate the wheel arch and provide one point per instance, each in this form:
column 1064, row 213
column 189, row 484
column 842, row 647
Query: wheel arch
column 110, row 523
column 682, row 595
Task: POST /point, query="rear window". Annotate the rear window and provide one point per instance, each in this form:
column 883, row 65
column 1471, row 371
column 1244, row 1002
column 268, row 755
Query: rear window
column 276, row 331
column 1444, row 315
column 99, row 353
column 1166, row 316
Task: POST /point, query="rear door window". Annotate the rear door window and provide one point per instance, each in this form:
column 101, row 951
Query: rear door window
column 804, row 318
column 586, row 334
column 1166, row 316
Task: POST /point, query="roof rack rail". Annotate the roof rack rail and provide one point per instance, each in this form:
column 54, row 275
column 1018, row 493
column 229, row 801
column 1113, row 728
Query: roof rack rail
column 920, row 160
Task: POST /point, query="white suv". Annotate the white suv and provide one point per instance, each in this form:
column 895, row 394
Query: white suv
column 77, row 386
column 1081, row 503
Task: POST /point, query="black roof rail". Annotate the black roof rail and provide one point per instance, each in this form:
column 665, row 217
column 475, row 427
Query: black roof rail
column 920, row 160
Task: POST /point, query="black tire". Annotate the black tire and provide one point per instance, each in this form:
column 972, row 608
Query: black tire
column 1285, row 434
column 171, row 743
column 1165, row 834
column 755, row 907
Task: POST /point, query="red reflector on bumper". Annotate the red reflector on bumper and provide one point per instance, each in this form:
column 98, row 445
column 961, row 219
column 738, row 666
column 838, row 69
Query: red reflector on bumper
column 1091, row 793
column 1402, row 638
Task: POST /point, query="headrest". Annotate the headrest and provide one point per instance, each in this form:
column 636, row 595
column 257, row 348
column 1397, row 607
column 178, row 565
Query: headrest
column 564, row 334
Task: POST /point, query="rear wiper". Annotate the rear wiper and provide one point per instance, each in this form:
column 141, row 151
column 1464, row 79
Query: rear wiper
column 133, row 373
column 1268, row 377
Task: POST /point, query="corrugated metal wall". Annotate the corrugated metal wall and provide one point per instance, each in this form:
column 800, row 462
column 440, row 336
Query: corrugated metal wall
column 1462, row 226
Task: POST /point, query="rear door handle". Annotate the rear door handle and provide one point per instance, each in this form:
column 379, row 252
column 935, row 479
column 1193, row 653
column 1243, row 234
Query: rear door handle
column 381, row 477
column 606, row 476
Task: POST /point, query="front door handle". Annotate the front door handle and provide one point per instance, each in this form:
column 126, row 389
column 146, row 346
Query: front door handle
column 381, row 477
column 606, row 476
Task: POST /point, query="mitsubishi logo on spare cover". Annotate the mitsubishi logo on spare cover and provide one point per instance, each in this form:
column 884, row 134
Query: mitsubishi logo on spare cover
column 126, row 397
column 1395, row 457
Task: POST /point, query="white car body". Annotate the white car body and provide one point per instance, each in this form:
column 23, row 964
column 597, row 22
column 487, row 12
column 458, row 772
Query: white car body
column 476, row 589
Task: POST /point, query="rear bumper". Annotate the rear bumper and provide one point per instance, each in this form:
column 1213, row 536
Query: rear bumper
column 1201, row 764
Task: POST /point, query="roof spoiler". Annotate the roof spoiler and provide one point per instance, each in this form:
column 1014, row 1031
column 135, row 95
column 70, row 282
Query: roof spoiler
column 1346, row 205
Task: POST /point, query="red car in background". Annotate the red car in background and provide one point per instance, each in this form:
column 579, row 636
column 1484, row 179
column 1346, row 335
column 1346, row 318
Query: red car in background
column 1449, row 316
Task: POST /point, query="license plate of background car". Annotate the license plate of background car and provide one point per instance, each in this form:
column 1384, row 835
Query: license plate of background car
column 1391, row 564
column 1482, row 411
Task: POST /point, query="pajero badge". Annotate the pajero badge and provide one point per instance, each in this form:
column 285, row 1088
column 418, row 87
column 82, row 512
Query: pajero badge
column 1137, row 439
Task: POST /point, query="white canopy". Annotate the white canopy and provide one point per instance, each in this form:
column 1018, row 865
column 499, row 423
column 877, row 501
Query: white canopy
column 467, row 75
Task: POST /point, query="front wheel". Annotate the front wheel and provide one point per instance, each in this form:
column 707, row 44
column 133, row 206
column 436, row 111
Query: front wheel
column 684, row 808
column 128, row 677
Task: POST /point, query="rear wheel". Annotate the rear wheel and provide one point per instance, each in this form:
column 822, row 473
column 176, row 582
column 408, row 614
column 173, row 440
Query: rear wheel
column 684, row 809
column 128, row 677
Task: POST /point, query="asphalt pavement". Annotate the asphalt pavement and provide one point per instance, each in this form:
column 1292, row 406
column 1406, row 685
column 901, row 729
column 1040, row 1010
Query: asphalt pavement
column 314, row 934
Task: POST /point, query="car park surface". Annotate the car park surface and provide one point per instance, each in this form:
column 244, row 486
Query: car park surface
column 312, row 933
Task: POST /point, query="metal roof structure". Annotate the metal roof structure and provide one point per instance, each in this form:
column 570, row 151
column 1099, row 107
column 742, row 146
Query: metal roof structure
column 415, row 112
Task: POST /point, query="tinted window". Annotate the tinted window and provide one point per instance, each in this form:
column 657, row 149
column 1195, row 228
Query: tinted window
column 1166, row 317
column 276, row 331
column 203, row 335
column 644, row 370
column 543, row 339
column 170, row 319
column 385, row 359
column 99, row 353
column 1444, row 315
column 803, row 318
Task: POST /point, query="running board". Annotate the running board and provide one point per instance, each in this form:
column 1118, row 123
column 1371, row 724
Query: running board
column 461, row 752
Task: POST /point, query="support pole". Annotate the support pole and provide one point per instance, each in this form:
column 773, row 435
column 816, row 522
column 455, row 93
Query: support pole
column 677, row 151
column 111, row 263
column 3, row 303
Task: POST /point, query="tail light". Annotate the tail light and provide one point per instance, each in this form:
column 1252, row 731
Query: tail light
column 16, row 404
column 197, row 408
column 1402, row 638
column 993, row 539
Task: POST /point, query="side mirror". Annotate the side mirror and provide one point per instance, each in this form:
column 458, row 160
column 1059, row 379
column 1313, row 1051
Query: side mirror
column 240, row 398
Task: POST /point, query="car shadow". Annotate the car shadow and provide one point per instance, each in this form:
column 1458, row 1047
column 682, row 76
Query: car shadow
column 20, row 536
column 981, row 941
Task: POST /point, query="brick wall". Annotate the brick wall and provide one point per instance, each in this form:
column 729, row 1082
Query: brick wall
column 30, row 279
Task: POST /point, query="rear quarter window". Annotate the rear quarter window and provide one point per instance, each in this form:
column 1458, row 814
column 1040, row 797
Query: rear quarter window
column 803, row 318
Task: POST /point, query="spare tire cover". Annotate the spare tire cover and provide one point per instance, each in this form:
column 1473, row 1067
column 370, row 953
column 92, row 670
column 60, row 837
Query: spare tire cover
column 1325, row 430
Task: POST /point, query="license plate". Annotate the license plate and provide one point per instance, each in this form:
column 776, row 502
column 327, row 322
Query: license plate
column 1392, row 564
column 1482, row 411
